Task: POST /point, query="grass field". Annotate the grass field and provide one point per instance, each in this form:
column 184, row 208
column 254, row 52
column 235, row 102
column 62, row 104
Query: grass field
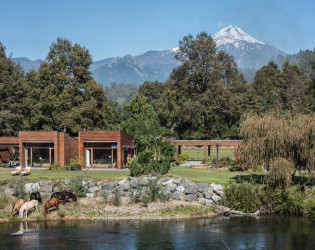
column 196, row 153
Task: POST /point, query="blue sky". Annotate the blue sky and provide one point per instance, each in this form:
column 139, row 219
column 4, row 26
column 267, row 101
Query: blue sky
column 116, row 28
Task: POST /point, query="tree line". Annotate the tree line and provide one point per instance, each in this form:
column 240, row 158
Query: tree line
column 205, row 97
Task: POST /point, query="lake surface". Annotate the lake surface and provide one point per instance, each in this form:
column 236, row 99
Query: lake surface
column 215, row 233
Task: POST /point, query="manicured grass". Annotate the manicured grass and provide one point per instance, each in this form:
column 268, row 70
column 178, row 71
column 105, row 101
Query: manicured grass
column 198, row 153
column 45, row 174
column 205, row 175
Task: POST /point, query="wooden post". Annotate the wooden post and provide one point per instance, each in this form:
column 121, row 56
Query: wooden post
column 209, row 152
column 217, row 155
column 179, row 150
column 204, row 152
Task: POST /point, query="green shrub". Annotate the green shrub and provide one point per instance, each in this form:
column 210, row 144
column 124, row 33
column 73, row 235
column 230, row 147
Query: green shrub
column 145, row 198
column 235, row 168
column 116, row 199
column 104, row 194
column 19, row 189
column 75, row 164
column 244, row 197
column 164, row 195
column 280, row 174
column 288, row 201
column 182, row 158
column 154, row 189
column 309, row 205
column 135, row 195
column 76, row 185
column 3, row 198
column 56, row 166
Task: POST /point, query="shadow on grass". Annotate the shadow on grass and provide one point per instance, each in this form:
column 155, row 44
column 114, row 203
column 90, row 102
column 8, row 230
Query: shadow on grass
column 252, row 178
column 259, row 179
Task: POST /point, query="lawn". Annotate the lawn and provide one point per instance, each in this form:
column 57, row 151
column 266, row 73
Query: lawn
column 45, row 174
column 206, row 175
column 196, row 153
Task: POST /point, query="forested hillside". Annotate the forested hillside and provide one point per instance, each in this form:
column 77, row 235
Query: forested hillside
column 205, row 97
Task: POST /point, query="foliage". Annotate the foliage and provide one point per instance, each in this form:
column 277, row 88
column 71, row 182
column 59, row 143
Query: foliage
column 280, row 174
column 182, row 158
column 154, row 189
column 116, row 199
column 290, row 136
column 104, row 194
column 56, row 166
column 77, row 185
column 19, row 189
column 244, row 196
column 235, row 168
column 3, row 198
column 121, row 92
column 309, row 205
column 14, row 155
column 75, row 164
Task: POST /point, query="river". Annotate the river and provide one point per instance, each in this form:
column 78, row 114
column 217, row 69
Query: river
column 215, row 233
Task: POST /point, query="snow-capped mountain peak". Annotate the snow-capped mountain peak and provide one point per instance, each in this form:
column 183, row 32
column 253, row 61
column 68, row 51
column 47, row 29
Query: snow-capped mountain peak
column 233, row 34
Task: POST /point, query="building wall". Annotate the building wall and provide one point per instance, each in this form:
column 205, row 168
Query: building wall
column 120, row 137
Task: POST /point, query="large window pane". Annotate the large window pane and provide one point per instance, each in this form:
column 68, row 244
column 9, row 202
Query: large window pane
column 40, row 156
column 102, row 156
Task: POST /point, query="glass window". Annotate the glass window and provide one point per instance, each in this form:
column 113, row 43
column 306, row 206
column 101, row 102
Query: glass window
column 102, row 156
column 40, row 156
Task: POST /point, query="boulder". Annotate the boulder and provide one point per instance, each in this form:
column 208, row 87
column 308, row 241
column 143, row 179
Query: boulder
column 28, row 187
column 108, row 185
column 171, row 187
column 126, row 187
column 93, row 189
column 208, row 193
column 177, row 181
column 190, row 190
column 188, row 184
column 217, row 188
column 209, row 202
column 170, row 181
column 202, row 187
column 202, row 201
column 180, row 188
column 144, row 182
column 216, row 198
column 90, row 184
column 191, row 197
column 90, row 195
column 122, row 182
column 133, row 183
column 178, row 195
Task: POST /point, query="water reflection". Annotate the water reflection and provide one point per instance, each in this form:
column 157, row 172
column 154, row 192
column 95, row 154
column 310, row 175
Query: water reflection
column 218, row 233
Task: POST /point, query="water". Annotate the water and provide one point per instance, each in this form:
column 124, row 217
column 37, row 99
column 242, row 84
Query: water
column 217, row 233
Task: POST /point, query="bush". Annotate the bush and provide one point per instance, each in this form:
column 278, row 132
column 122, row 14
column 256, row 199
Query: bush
column 235, row 168
column 182, row 158
column 75, row 164
column 244, row 196
column 116, row 199
column 280, row 174
column 3, row 198
column 288, row 201
column 56, row 166
column 309, row 205
column 154, row 189
column 19, row 189
column 76, row 185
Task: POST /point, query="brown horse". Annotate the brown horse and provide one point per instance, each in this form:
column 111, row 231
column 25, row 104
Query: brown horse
column 64, row 196
column 16, row 208
column 53, row 202
column 70, row 191
column 36, row 196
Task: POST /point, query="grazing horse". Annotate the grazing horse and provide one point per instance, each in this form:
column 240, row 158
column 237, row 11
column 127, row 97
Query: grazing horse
column 27, row 206
column 70, row 191
column 36, row 196
column 17, row 206
column 53, row 202
column 64, row 196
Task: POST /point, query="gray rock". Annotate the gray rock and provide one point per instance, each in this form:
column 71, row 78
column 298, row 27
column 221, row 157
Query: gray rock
column 217, row 188
column 220, row 193
column 180, row 188
column 208, row 193
column 190, row 190
column 55, row 189
column 115, row 183
column 144, row 182
column 90, row 195
column 84, row 183
column 93, row 189
column 188, row 184
column 122, row 182
column 99, row 183
column 191, row 197
column 67, row 182
column 91, row 184
column 236, row 212
column 177, row 181
column 42, row 183
column 108, row 185
column 170, row 181
column 209, row 202
column 126, row 187
column 178, row 195
column 133, row 183
column 171, row 187
column 18, row 233
column 28, row 187
column 202, row 201
column 202, row 187
column 9, row 192
column 216, row 198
